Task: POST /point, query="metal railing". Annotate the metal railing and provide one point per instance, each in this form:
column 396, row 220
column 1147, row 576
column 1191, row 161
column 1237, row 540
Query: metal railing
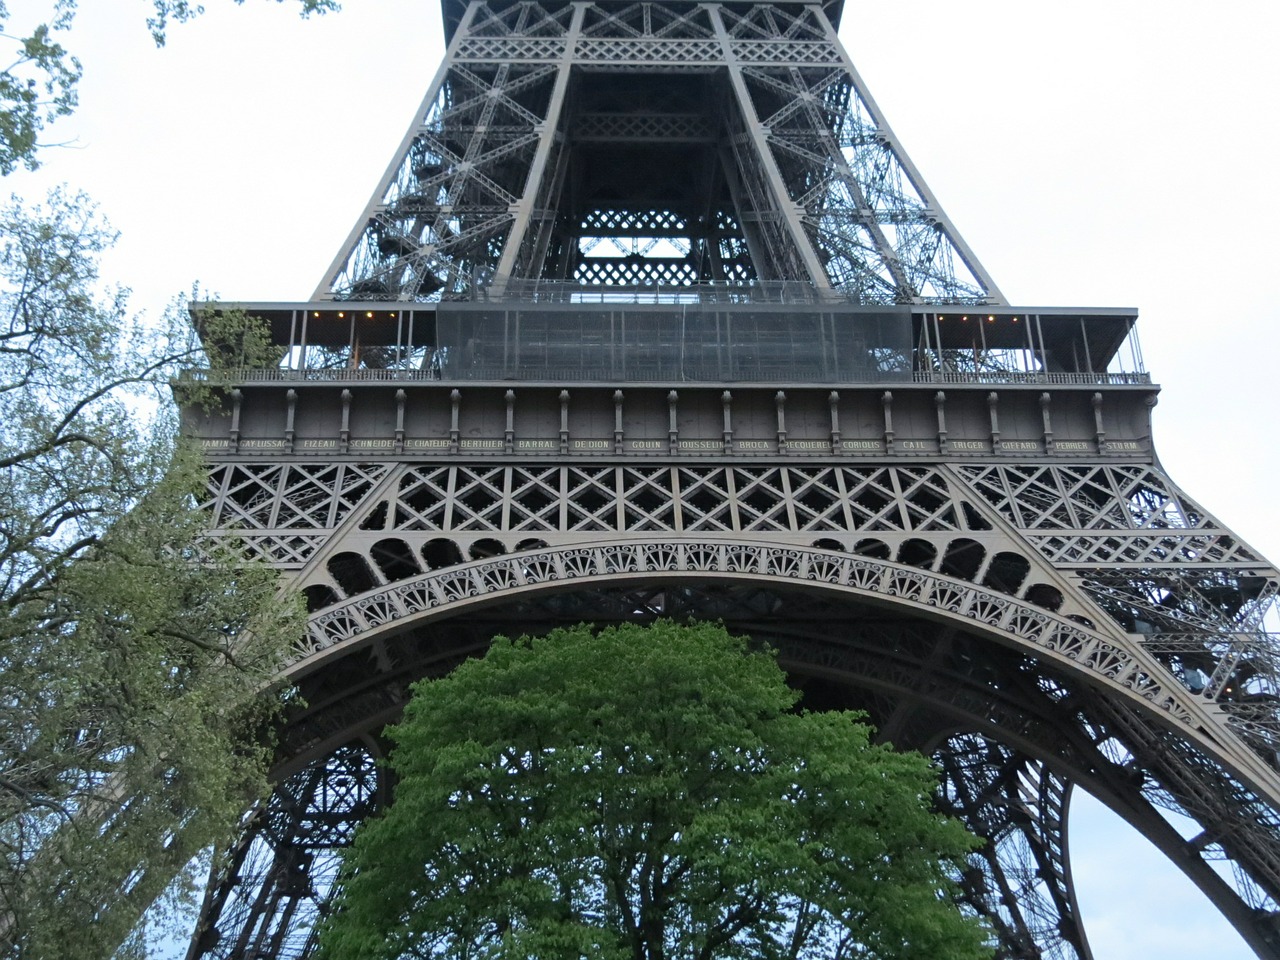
column 596, row 374
column 1031, row 377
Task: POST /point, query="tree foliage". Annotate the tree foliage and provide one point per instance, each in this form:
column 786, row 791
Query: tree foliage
column 38, row 83
column 166, row 12
column 131, row 651
column 647, row 794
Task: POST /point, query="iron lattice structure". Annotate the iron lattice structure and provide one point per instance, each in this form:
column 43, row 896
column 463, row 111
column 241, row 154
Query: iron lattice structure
column 651, row 316
column 544, row 152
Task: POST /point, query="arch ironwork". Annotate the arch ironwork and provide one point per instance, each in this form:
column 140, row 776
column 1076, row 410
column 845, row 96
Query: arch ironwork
column 548, row 380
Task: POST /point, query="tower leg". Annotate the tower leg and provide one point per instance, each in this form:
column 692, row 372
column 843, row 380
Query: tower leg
column 267, row 893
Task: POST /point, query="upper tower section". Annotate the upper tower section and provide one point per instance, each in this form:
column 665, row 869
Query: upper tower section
column 605, row 213
column 613, row 147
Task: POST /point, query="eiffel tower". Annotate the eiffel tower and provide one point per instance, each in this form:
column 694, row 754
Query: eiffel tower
column 652, row 316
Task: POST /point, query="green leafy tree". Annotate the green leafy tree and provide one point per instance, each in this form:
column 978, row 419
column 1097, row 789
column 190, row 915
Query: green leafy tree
column 38, row 83
column 132, row 653
column 165, row 12
column 647, row 793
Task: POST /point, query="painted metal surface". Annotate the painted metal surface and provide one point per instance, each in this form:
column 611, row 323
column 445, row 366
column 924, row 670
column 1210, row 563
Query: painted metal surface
column 587, row 356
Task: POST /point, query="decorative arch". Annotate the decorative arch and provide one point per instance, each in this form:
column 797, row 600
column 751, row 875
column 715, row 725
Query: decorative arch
column 1106, row 659
column 1103, row 658
column 435, row 614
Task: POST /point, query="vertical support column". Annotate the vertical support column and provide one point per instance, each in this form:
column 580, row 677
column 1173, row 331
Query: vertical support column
column 291, row 401
column 523, row 209
column 344, row 431
column 726, row 400
column 401, row 397
column 789, row 211
column 617, row 421
column 1048, row 422
column 673, row 424
column 509, row 434
column 780, row 401
column 237, row 398
column 455, row 433
column 433, row 92
column 940, row 402
column 564, row 421
column 886, row 400
column 833, row 400
column 890, row 139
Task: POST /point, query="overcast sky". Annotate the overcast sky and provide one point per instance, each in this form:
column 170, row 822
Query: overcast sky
column 1092, row 153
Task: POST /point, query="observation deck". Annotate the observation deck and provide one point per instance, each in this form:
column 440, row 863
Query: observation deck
column 716, row 371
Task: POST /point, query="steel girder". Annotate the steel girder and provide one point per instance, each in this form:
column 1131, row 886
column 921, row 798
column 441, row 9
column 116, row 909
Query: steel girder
column 544, row 149
column 1049, row 625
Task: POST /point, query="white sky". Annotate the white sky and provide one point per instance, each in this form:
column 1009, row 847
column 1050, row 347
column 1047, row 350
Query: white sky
column 1092, row 153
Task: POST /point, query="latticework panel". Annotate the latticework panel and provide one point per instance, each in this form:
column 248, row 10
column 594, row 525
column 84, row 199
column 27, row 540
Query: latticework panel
column 283, row 512
column 527, row 18
column 1109, row 499
column 878, row 238
column 614, row 127
column 769, row 23
column 1164, row 569
column 635, row 270
column 694, row 498
column 665, row 21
